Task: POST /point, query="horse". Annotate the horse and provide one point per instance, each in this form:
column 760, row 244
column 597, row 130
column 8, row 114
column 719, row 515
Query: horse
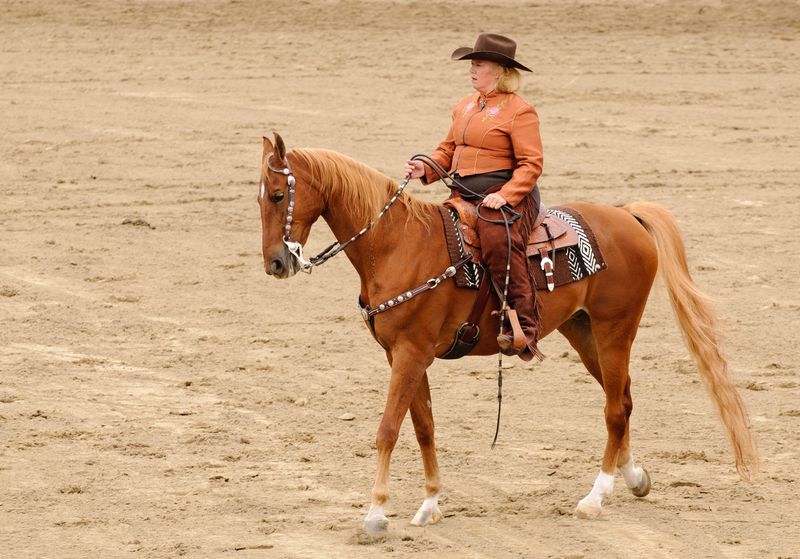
column 405, row 247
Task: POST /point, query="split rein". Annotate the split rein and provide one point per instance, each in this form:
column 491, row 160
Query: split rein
column 506, row 220
column 296, row 250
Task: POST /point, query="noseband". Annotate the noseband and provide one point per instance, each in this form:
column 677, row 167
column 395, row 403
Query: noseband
column 294, row 247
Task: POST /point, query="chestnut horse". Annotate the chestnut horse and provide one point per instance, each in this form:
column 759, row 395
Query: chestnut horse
column 598, row 315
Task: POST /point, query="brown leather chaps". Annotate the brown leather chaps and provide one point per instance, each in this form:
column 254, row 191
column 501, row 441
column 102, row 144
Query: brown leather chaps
column 494, row 249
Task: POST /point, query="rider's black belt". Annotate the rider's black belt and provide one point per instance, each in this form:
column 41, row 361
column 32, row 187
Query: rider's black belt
column 473, row 185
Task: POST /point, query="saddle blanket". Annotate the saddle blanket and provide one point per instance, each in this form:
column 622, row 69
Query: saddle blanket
column 570, row 263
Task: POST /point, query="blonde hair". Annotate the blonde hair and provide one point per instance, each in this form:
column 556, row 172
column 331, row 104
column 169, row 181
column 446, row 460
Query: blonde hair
column 509, row 80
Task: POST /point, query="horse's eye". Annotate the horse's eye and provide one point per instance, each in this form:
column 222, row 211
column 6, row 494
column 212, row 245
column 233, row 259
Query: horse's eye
column 277, row 196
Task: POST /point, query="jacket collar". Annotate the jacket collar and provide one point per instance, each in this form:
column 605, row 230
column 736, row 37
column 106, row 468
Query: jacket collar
column 480, row 97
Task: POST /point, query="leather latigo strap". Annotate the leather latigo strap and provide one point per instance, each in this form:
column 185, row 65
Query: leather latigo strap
column 480, row 301
column 469, row 333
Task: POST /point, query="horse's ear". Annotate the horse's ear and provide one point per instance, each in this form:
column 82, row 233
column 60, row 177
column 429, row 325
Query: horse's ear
column 280, row 147
column 268, row 147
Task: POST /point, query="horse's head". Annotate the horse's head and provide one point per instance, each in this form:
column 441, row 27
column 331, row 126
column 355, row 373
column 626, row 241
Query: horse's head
column 289, row 206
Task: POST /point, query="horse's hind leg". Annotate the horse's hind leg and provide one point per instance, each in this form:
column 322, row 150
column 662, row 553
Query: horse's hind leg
column 636, row 478
column 611, row 371
column 578, row 331
column 422, row 416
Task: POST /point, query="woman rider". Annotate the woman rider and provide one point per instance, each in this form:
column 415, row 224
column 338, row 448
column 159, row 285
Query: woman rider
column 494, row 148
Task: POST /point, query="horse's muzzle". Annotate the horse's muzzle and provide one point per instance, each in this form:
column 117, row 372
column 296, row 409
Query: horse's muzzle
column 280, row 266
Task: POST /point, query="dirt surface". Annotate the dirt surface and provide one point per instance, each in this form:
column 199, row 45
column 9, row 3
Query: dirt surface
column 161, row 397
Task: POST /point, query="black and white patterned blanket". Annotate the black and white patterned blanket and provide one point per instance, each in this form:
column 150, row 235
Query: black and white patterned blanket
column 572, row 263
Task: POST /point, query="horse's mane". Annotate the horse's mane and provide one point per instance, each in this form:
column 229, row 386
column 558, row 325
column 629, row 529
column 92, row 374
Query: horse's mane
column 364, row 190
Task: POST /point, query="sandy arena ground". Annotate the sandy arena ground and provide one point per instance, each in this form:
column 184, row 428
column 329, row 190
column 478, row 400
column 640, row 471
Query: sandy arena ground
column 161, row 397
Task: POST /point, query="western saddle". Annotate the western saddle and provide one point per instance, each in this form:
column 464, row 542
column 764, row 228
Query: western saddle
column 549, row 234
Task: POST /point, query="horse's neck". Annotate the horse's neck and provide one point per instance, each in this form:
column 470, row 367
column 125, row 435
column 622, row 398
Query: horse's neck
column 377, row 255
column 382, row 240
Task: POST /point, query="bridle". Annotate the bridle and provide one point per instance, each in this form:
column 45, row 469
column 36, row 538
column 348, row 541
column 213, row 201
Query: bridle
column 294, row 247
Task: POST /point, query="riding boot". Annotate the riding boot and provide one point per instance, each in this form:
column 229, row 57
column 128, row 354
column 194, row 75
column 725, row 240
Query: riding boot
column 521, row 294
column 522, row 298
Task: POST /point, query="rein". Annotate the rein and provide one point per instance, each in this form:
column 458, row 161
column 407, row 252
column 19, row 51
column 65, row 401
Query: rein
column 295, row 248
column 506, row 220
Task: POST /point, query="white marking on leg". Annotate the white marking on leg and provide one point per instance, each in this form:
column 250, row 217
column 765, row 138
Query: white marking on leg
column 633, row 475
column 428, row 513
column 375, row 522
column 636, row 478
column 591, row 505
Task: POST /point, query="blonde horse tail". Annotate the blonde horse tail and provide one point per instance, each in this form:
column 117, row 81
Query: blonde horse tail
column 699, row 326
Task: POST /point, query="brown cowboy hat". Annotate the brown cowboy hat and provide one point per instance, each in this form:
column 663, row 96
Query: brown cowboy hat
column 494, row 47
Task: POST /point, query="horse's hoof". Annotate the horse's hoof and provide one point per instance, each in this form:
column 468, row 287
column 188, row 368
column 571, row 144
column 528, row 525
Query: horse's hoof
column 588, row 511
column 427, row 514
column 643, row 487
column 376, row 525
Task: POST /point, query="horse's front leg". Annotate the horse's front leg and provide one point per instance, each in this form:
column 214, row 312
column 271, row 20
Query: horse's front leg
column 408, row 368
column 422, row 416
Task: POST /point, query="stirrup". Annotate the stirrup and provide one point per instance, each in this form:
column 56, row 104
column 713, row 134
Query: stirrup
column 513, row 342
column 506, row 344
column 518, row 341
column 507, row 348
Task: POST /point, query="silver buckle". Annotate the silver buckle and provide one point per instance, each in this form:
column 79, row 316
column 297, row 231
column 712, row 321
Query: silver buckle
column 548, row 274
column 364, row 311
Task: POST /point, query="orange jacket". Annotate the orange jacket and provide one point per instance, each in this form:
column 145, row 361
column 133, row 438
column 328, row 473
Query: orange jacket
column 499, row 131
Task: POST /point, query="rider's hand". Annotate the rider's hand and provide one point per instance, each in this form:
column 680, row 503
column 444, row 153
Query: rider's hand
column 494, row 201
column 414, row 169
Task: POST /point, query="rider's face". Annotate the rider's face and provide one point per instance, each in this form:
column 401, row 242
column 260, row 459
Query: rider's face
column 484, row 75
